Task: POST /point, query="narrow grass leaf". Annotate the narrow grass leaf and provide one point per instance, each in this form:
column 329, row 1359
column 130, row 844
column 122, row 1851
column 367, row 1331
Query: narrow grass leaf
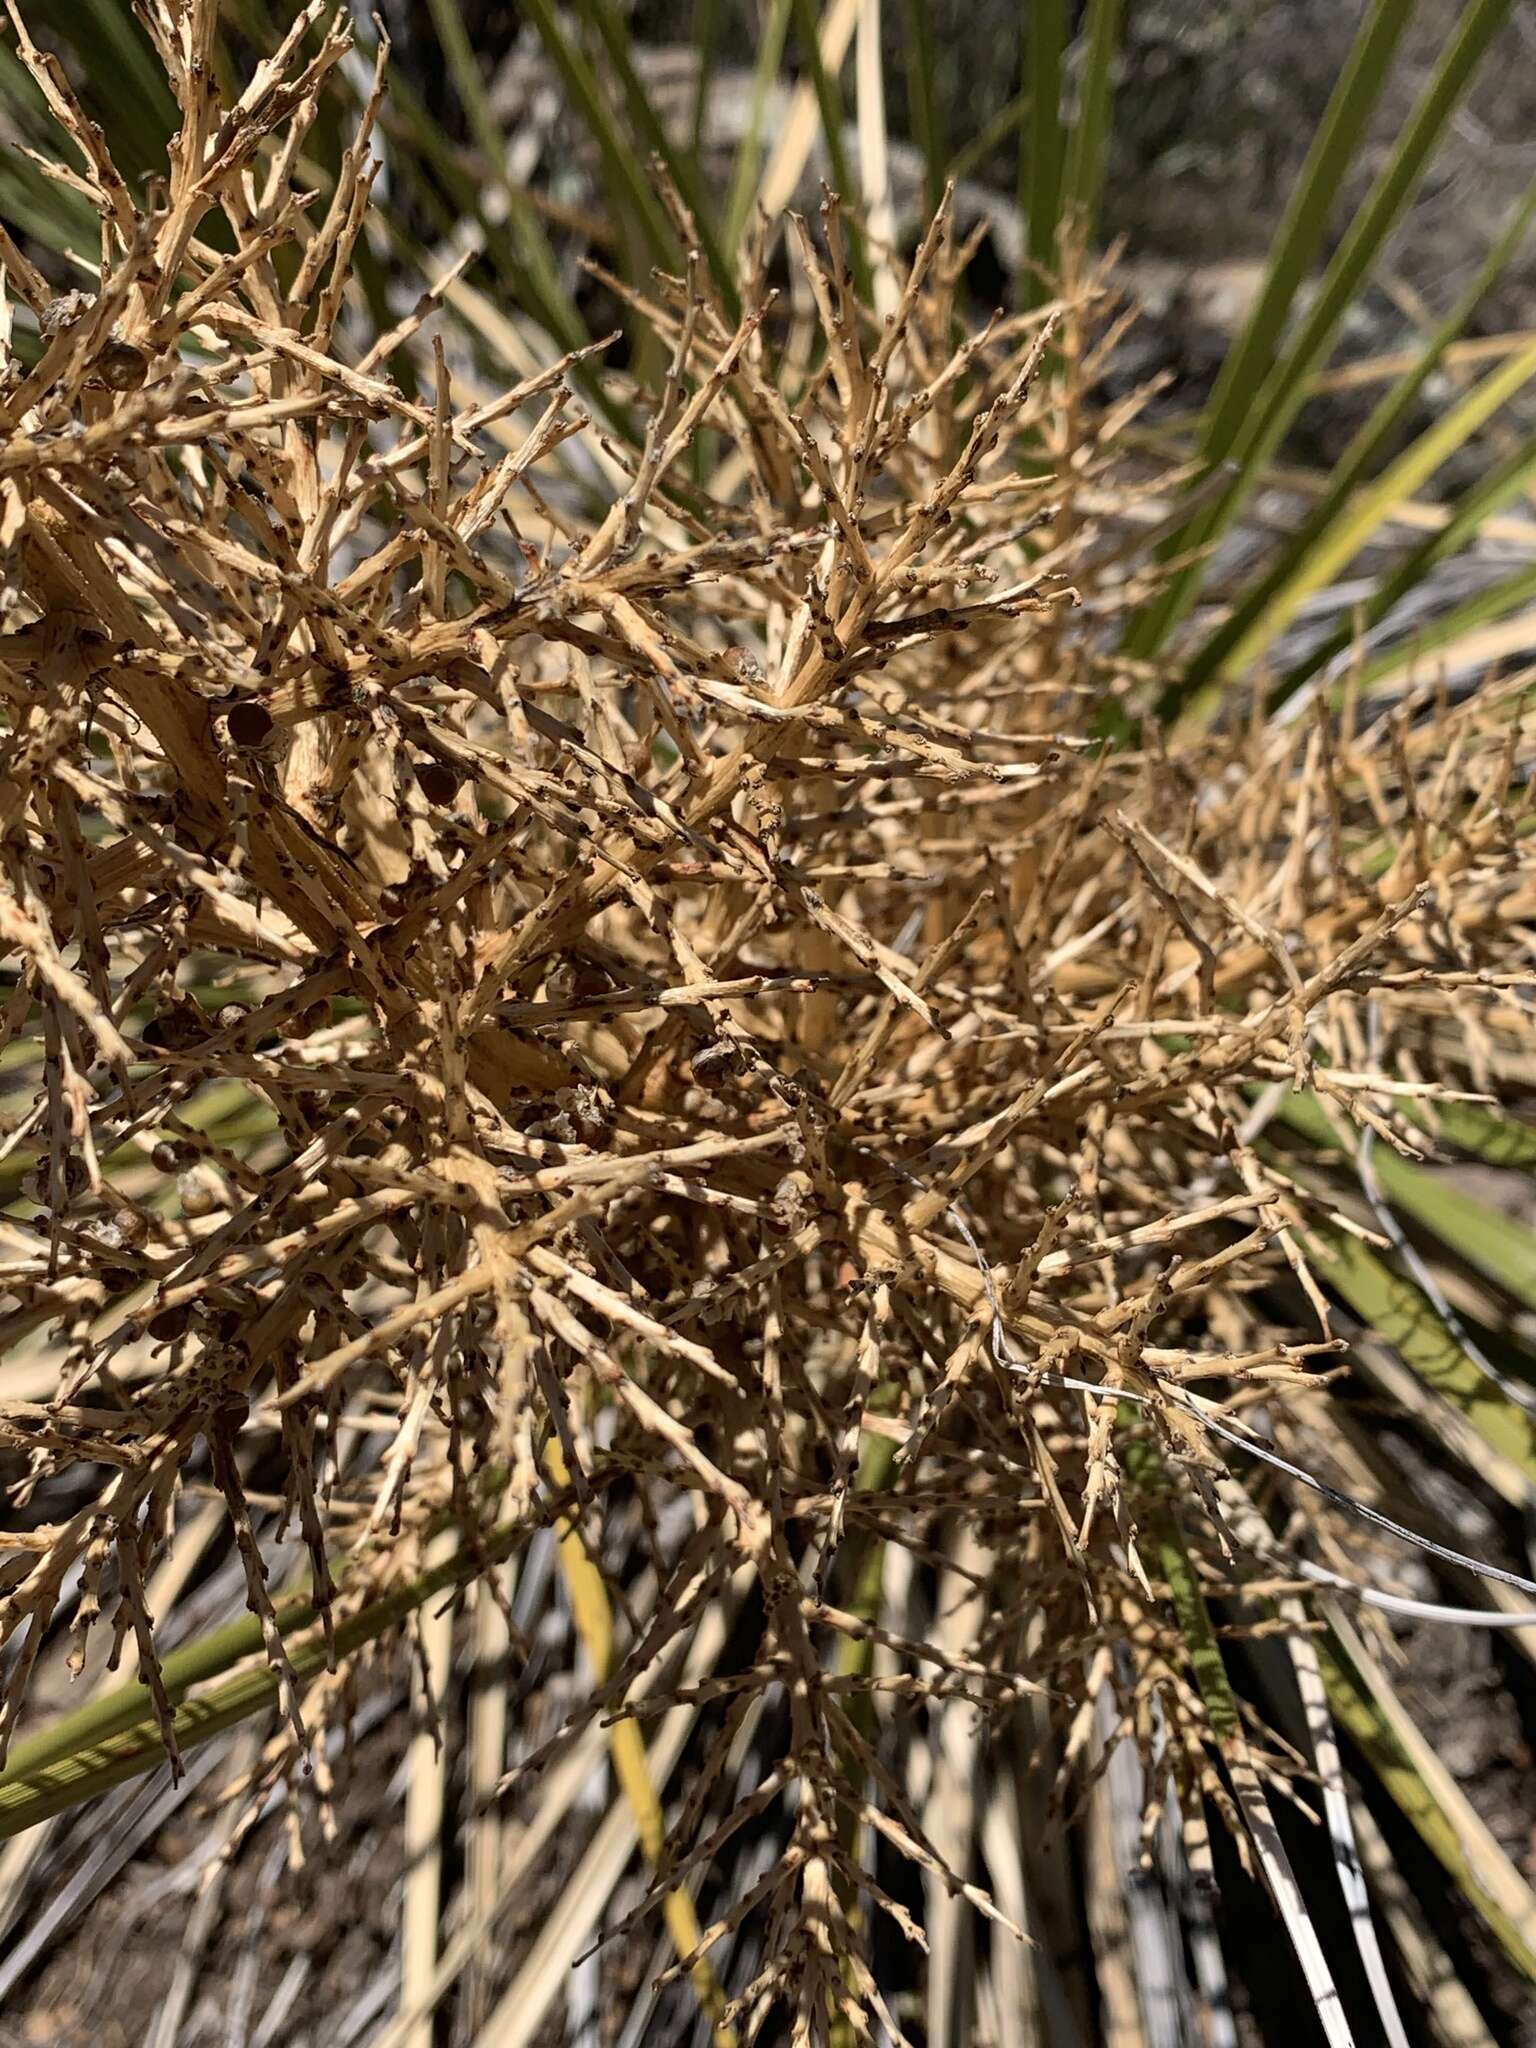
column 1365, row 1705
column 593, row 1612
column 1088, row 146
column 1398, row 1312
column 972, row 154
column 1222, row 1710
column 116, row 1737
column 623, row 168
column 705, row 42
column 682, row 165
column 1484, row 1133
column 1299, row 237
column 1481, row 501
column 1230, row 645
column 770, row 54
column 1497, row 1244
column 532, row 241
column 829, row 104
column 1040, row 167
column 520, row 250
column 925, row 110
column 1263, row 407
column 1341, row 1830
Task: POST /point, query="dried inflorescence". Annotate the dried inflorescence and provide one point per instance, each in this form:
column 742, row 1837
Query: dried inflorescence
column 535, row 1012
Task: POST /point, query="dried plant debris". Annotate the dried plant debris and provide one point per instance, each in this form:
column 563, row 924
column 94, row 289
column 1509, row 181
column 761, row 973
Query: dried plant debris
column 557, row 981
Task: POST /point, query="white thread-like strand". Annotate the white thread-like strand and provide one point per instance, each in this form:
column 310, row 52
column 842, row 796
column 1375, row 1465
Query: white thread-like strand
column 1410, row 1609
column 1269, row 1457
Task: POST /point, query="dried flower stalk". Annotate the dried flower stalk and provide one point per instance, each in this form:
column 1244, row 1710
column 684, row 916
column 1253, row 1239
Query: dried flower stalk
column 701, row 995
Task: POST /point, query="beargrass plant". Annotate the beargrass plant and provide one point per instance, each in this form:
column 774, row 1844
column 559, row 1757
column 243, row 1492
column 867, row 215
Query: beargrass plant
column 672, row 980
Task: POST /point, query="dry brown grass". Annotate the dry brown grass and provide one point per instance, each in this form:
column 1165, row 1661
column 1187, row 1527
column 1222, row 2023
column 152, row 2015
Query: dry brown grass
column 706, row 1007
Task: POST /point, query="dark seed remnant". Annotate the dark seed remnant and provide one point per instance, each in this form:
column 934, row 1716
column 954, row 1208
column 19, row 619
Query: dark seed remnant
column 248, row 724
column 439, row 785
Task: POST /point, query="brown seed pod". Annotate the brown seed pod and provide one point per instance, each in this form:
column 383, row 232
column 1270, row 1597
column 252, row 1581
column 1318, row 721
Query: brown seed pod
column 202, row 1189
column 174, row 1030
column 248, row 724
column 122, row 367
column 589, row 981
column 439, row 785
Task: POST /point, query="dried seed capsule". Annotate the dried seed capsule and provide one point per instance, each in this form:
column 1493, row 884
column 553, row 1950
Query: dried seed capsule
column 202, row 1190
column 714, row 1062
column 174, row 1030
column 439, row 785
column 248, row 724
column 121, row 366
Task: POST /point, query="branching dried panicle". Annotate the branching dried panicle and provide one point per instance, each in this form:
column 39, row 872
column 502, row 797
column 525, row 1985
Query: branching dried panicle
column 668, row 993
